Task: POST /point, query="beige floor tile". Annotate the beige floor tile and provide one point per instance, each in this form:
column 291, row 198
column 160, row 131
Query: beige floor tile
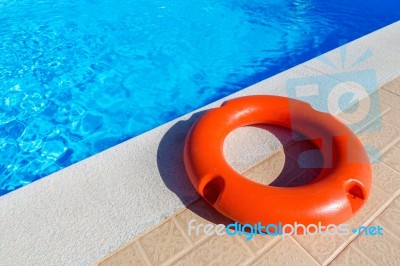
column 389, row 219
column 201, row 212
column 350, row 256
column 382, row 250
column 257, row 143
column 216, row 250
column 267, row 170
column 130, row 255
column 321, row 247
column 353, row 121
column 285, row 252
column 164, row 242
column 385, row 178
column 259, row 242
column 380, row 140
column 359, row 116
column 393, row 86
column 390, row 99
column 287, row 167
column 392, row 157
column 392, row 117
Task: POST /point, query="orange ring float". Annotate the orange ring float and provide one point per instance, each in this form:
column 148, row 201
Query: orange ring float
column 339, row 191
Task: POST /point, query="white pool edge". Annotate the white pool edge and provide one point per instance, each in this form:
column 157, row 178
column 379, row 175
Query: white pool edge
column 81, row 213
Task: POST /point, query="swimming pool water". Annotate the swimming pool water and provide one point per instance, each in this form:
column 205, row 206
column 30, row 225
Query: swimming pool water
column 77, row 77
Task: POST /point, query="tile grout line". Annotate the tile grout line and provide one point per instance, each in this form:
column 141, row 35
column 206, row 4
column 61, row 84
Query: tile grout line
column 387, row 165
column 392, row 234
column 366, row 223
column 264, row 159
column 390, row 144
column 397, row 171
column 364, row 255
column 360, row 253
column 304, row 250
column 387, row 111
column 373, row 119
column 242, row 242
column 339, row 250
column 176, row 255
column 183, row 232
column 337, row 79
column 263, row 251
column 143, row 253
column 186, row 251
column 386, row 149
column 137, row 238
column 383, row 88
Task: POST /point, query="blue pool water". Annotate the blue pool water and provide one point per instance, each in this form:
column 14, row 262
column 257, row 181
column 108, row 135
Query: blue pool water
column 79, row 76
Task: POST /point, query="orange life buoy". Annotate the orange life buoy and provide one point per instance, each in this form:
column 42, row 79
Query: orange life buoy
column 339, row 191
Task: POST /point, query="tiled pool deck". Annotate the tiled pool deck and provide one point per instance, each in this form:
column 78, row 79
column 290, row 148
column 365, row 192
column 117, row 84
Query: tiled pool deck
column 129, row 201
column 170, row 244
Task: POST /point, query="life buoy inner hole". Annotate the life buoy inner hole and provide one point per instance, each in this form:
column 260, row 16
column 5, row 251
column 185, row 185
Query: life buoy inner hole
column 278, row 156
